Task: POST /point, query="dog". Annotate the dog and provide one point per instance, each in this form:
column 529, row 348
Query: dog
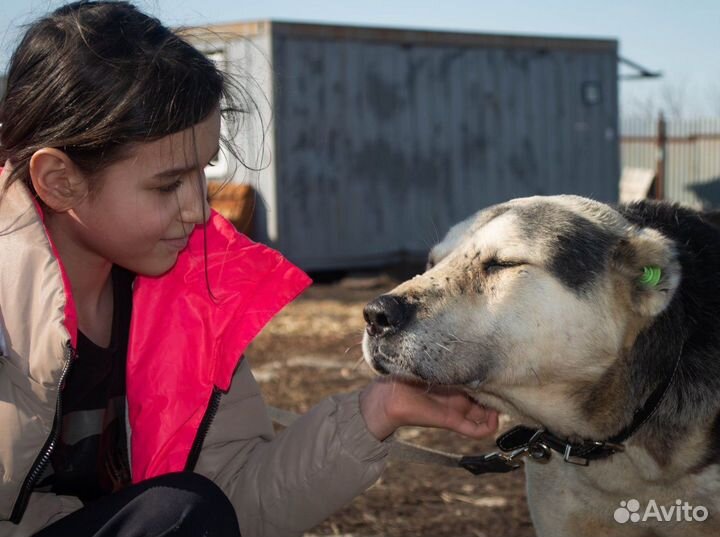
column 586, row 322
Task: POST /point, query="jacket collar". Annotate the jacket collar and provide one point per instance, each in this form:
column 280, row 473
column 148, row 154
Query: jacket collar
column 38, row 312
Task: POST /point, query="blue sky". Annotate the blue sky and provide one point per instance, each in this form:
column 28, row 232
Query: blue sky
column 681, row 39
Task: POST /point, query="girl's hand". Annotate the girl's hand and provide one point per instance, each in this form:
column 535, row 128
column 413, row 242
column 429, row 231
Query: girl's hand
column 389, row 402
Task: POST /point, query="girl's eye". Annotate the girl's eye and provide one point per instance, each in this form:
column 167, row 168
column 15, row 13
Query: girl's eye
column 495, row 265
column 214, row 161
column 172, row 187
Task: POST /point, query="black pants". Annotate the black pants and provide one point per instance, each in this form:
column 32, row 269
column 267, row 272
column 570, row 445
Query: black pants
column 182, row 504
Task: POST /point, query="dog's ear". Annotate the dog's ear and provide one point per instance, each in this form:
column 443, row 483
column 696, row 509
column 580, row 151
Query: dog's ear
column 648, row 261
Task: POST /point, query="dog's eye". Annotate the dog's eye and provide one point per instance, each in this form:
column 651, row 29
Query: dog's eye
column 495, row 265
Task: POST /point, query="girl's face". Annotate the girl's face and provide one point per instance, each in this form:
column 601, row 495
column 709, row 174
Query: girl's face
column 147, row 204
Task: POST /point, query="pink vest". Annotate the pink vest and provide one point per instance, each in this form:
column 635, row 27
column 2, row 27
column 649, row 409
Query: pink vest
column 185, row 340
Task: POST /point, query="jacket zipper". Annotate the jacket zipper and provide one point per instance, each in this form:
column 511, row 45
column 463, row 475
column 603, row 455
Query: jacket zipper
column 203, row 429
column 44, row 456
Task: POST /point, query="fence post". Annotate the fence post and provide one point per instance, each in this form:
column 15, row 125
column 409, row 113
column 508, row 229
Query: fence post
column 661, row 157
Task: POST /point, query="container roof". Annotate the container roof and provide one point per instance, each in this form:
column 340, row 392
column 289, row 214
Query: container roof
column 403, row 36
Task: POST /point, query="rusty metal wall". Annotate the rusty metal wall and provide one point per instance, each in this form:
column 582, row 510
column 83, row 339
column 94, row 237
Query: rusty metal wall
column 382, row 146
column 382, row 139
column 692, row 169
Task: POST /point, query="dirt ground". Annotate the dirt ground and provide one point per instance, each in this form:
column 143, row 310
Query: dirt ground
column 311, row 350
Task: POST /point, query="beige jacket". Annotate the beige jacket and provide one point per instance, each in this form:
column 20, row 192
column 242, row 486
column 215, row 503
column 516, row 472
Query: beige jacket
column 280, row 484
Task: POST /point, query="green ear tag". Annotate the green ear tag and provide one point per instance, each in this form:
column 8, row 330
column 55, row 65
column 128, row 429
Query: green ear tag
column 651, row 276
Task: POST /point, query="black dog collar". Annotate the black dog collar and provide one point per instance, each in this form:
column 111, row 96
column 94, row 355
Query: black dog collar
column 537, row 443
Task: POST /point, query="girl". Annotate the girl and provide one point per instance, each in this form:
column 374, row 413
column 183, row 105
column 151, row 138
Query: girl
column 125, row 405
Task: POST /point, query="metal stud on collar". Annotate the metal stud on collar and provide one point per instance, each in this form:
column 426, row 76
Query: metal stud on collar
column 539, row 452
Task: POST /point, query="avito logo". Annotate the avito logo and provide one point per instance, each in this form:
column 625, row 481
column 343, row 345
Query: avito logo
column 629, row 511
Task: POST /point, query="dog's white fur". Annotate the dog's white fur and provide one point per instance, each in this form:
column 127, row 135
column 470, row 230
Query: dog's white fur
column 526, row 344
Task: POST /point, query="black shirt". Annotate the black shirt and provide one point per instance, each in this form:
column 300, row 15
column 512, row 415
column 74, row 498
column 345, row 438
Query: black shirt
column 90, row 458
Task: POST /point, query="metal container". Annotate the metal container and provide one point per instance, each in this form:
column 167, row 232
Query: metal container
column 381, row 139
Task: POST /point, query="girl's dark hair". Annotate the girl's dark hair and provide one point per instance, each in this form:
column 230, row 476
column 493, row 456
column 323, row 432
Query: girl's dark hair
column 94, row 78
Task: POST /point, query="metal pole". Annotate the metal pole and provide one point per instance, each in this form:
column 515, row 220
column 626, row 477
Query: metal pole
column 661, row 157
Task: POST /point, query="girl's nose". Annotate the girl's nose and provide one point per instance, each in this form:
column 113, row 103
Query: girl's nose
column 196, row 209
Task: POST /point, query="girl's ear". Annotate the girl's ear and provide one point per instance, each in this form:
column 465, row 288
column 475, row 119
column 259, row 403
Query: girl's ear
column 647, row 260
column 56, row 179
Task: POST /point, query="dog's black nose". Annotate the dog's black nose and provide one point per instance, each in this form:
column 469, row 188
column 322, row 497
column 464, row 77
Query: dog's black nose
column 386, row 314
